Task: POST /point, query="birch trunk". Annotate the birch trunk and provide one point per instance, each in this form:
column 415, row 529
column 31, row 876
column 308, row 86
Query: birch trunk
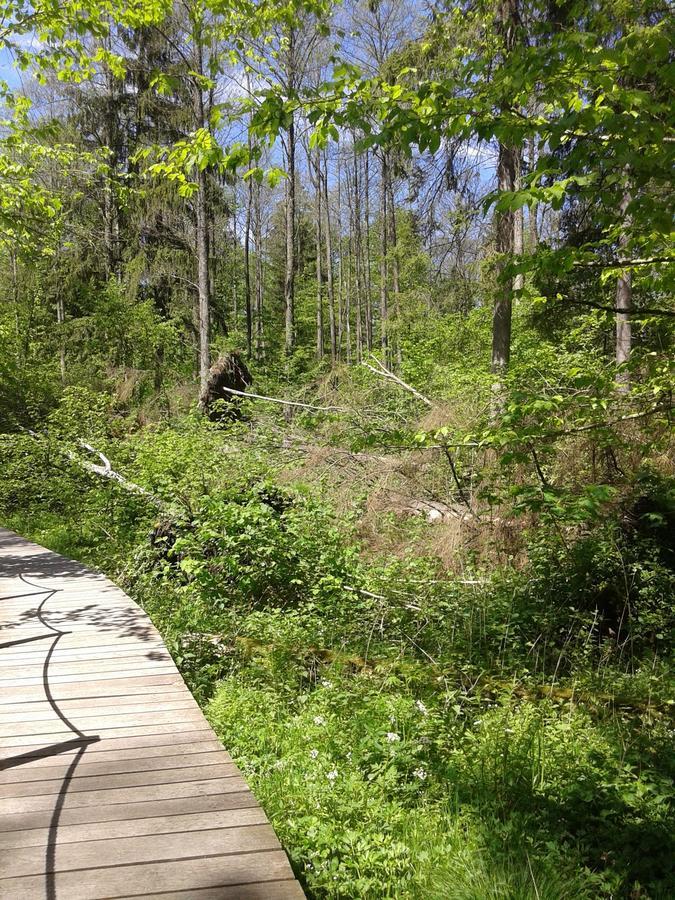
column 624, row 305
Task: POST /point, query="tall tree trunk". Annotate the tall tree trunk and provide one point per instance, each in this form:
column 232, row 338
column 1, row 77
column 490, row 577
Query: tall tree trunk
column 329, row 267
column 348, row 299
column 501, row 320
column 384, row 290
column 319, row 251
column 624, row 305
column 60, row 321
column 203, row 281
column 235, row 268
column 518, row 226
column 369, row 298
column 259, row 287
column 247, row 271
column 395, row 271
column 202, row 220
column 340, row 259
column 355, row 227
column 533, row 230
column 112, row 142
column 506, row 178
column 289, row 275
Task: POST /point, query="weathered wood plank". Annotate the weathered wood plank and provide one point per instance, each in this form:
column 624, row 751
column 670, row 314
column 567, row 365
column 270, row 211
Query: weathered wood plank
column 139, row 848
column 94, row 831
column 271, row 890
column 156, row 877
column 27, row 820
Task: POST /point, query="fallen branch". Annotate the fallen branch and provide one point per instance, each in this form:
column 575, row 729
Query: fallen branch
column 384, row 372
column 106, row 471
column 251, row 396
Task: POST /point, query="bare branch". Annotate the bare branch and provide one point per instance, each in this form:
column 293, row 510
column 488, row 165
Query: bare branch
column 384, row 372
column 251, row 396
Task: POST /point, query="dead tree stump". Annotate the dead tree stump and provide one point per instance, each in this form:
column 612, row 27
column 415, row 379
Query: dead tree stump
column 228, row 373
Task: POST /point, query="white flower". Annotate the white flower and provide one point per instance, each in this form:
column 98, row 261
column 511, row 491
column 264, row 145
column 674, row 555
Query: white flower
column 319, row 720
column 279, row 764
column 326, row 683
column 421, row 707
column 313, row 753
column 392, row 737
column 332, row 775
column 420, row 773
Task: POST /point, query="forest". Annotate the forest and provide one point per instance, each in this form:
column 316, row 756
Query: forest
column 340, row 335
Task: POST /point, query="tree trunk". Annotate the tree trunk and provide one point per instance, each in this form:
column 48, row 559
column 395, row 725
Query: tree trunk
column 319, row 251
column 247, row 271
column 329, row 268
column 624, row 304
column 369, row 300
column 259, row 287
column 501, row 320
column 60, row 321
column 518, row 226
column 202, row 242
column 383, row 257
column 533, row 230
column 348, row 299
column 395, row 272
column 506, row 178
column 355, row 227
column 289, row 276
column 235, row 272
column 340, row 259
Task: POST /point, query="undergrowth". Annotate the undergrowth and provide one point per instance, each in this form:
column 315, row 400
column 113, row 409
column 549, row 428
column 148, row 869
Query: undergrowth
column 501, row 732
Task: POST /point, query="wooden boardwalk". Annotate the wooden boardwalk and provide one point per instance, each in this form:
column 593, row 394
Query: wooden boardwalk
column 112, row 783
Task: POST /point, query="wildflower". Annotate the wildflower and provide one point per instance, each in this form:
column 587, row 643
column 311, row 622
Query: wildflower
column 326, row 683
column 392, row 737
column 279, row 764
column 421, row 707
column 313, row 754
column 332, row 775
column 319, row 720
column 420, row 773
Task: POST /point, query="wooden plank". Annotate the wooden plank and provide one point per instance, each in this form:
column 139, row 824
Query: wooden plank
column 89, row 722
column 270, row 890
column 83, row 782
column 87, row 766
column 63, row 660
column 86, row 689
column 103, row 751
column 94, row 831
column 136, row 794
column 156, row 877
column 36, row 711
column 165, row 668
column 140, row 848
column 16, row 742
column 26, row 820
